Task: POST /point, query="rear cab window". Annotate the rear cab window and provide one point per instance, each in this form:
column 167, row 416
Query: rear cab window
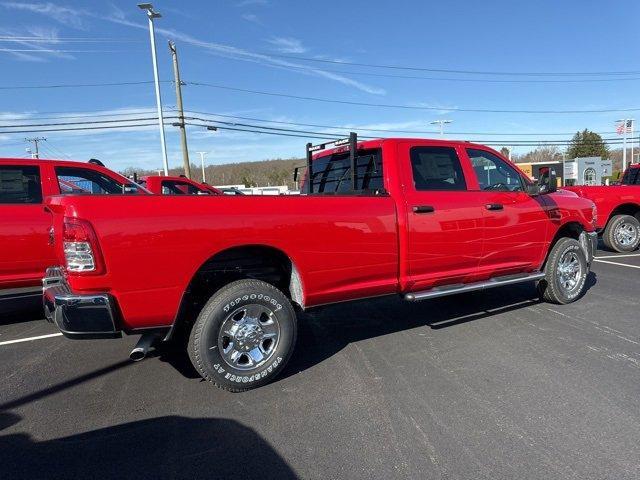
column 81, row 181
column 20, row 185
column 331, row 174
column 436, row 168
column 631, row 176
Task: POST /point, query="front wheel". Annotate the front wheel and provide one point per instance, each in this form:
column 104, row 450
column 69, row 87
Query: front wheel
column 244, row 335
column 566, row 273
column 622, row 233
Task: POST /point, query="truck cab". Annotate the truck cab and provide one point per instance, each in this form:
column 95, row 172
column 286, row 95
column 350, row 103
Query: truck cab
column 167, row 185
column 25, row 225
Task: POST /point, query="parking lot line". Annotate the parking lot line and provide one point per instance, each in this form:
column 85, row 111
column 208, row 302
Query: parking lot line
column 621, row 256
column 615, row 263
column 29, row 339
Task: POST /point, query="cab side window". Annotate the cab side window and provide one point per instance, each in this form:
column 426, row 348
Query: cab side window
column 494, row 173
column 20, row 185
column 436, row 168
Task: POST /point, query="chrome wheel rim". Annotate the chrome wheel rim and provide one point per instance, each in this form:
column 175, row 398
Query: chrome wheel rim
column 569, row 272
column 249, row 336
column 626, row 234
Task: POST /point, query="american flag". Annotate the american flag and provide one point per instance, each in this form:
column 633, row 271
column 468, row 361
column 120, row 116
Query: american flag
column 626, row 126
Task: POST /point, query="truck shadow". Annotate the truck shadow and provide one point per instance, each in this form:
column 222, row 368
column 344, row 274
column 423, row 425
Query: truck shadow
column 164, row 447
column 20, row 308
column 324, row 332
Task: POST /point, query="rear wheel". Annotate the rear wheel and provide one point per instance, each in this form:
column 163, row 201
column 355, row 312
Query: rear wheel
column 565, row 273
column 244, row 335
column 622, row 233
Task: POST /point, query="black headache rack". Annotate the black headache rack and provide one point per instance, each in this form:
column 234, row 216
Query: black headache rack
column 351, row 141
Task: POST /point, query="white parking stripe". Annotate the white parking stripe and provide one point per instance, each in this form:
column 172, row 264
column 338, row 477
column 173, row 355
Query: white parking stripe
column 615, row 263
column 621, row 256
column 29, row 339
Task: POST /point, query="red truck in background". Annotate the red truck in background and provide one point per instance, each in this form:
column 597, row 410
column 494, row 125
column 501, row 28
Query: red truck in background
column 410, row 217
column 25, row 245
column 618, row 210
column 166, row 185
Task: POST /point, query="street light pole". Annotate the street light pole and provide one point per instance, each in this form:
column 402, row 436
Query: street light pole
column 202, row 154
column 151, row 14
column 442, row 124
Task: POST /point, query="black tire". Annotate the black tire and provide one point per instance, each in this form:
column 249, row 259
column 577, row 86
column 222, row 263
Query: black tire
column 554, row 287
column 227, row 336
column 622, row 233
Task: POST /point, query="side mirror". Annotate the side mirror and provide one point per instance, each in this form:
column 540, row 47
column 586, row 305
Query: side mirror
column 532, row 189
column 548, row 182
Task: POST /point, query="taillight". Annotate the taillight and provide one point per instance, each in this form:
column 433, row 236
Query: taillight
column 81, row 250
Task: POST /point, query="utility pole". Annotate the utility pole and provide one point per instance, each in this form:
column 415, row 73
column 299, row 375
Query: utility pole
column 151, row 14
column 183, row 133
column 202, row 154
column 442, row 124
column 35, row 153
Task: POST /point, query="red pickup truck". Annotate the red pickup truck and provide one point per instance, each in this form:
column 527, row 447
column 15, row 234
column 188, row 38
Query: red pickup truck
column 166, row 185
column 618, row 210
column 410, row 217
column 25, row 244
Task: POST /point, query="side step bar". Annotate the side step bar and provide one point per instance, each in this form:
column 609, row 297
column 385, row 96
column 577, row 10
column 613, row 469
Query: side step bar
column 462, row 288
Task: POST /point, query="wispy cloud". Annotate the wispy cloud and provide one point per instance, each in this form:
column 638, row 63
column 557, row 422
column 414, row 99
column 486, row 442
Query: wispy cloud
column 252, row 17
column 287, row 45
column 250, row 3
column 39, row 41
column 72, row 17
column 77, row 18
column 228, row 51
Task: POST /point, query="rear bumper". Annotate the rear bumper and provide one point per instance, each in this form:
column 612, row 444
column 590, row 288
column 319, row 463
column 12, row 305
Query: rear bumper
column 78, row 316
column 589, row 241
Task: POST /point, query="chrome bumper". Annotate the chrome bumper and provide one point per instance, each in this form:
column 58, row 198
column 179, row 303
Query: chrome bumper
column 77, row 316
column 589, row 242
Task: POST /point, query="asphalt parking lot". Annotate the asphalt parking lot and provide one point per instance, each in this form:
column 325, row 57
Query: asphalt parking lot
column 483, row 385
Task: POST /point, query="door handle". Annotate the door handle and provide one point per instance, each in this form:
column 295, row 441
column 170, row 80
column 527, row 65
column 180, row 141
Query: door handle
column 494, row 206
column 423, row 209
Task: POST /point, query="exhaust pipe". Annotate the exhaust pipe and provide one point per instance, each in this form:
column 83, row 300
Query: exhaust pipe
column 141, row 349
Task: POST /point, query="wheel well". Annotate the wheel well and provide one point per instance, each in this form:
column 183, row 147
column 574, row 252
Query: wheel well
column 251, row 261
column 626, row 209
column 568, row 230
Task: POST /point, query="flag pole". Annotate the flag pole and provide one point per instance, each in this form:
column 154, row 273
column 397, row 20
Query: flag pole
column 624, row 145
column 633, row 122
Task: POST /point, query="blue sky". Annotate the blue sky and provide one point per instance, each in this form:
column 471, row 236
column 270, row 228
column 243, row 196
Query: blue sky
column 248, row 44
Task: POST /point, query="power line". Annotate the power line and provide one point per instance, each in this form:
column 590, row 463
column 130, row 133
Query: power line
column 25, row 38
column 352, row 127
column 452, row 79
column 53, row 50
column 81, row 123
column 78, row 85
column 103, row 127
column 53, row 147
column 311, row 134
column 443, row 70
column 85, row 114
column 407, row 107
